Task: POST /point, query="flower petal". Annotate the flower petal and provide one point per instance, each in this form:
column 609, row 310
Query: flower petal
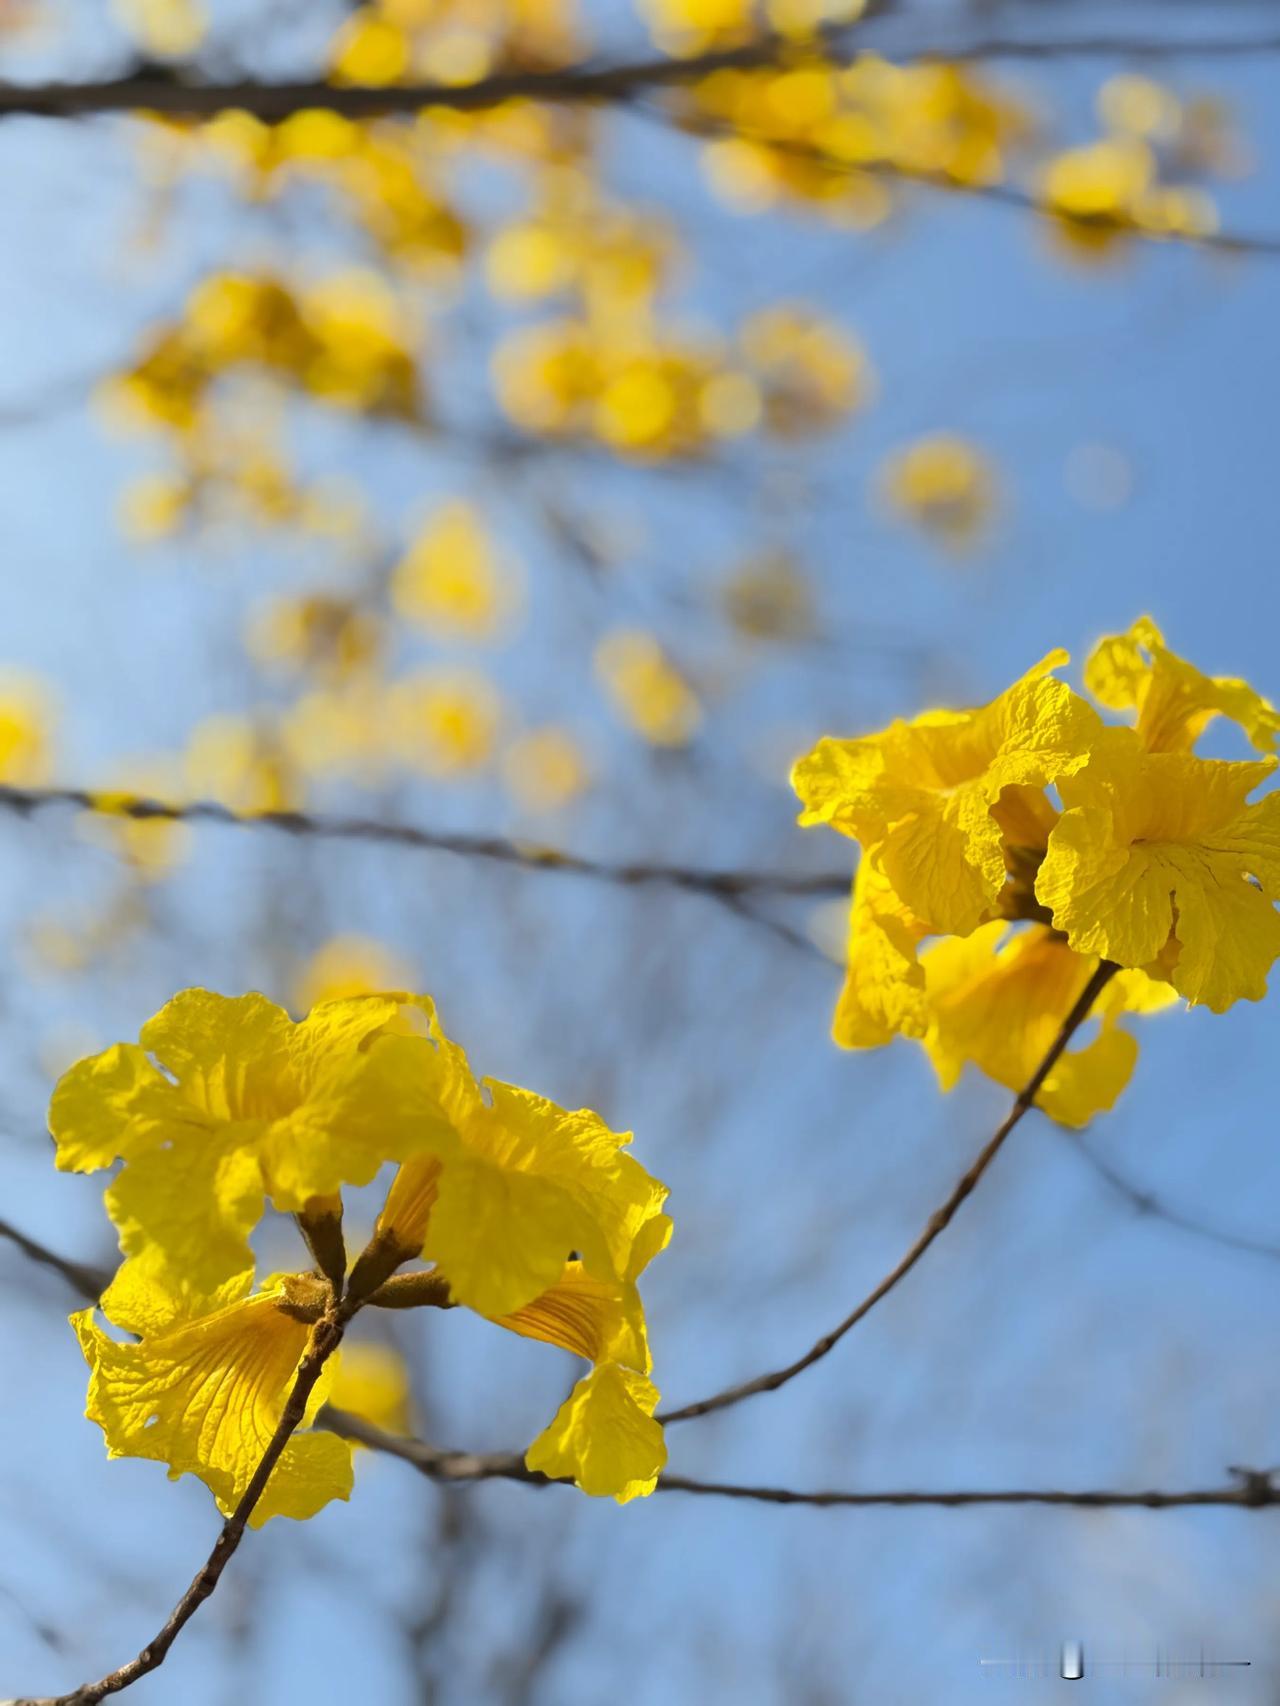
column 604, row 1436
column 206, row 1396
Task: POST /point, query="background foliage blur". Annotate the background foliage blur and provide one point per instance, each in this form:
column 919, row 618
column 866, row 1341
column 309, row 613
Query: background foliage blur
column 560, row 472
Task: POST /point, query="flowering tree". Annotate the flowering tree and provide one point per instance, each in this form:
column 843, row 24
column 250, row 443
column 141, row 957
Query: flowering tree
column 506, row 516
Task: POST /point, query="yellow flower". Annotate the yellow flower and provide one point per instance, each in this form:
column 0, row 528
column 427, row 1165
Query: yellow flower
column 372, row 1381
column 342, row 731
column 444, row 722
column 544, row 769
column 925, row 794
column 811, row 371
column 171, row 29
column 514, row 1184
column 452, row 581
column 1158, row 855
column 221, row 1102
column 1174, row 702
column 883, row 994
column 1000, row 1004
column 345, row 966
column 646, row 690
column 151, row 847
column 231, row 759
column 331, row 635
column 944, row 485
column 204, row 1387
column 26, row 721
column 604, row 1436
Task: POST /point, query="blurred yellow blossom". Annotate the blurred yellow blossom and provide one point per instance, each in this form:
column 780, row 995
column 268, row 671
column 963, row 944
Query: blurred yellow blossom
column 812, row 373
column 452, row 581
column 444, row 722
column 1108, row 187
column 331, row 636
column 171, row 29
column 821, row 132
column 239, row 762
column 768, row 598
column 347, row 965
column 944, row 485
column 645, row 689
column 27, row 719
column 544, row 769
column 151, row 847
column 339, row 731
column 155, row 505
column 372, row 1382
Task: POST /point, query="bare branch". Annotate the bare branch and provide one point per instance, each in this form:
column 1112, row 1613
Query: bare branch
column 1147, row 1202
column 150, row 91
column 1262, row 244
column 325, row 1338
column 937, row 1223
column 88, row 1281
column 1253, row 1489
column 724, row 885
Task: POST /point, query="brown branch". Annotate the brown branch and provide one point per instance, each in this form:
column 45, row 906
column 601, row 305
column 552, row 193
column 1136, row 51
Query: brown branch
column 1253, row 1489
column 148, row 91
column 90, row 1282
column 719, row 884
column 574, row 84
column 1258, row 243
column 937, row 1223
column 325, row 1339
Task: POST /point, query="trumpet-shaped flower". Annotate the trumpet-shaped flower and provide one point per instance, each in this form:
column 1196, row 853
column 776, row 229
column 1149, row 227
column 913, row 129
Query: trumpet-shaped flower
column 603, row 1436
column 923, row 794
column 1000, row 1004
column 510, row 1183
column 222, row 1102
column 1174, row 702
column 884, row 986
column 1158, row 856
column 205, row 1386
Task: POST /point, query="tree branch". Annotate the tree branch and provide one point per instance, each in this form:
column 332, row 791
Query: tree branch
column 722, row 885
column 1252, row 1489
column 1259, row 243
column 937, row 1223
column 88, row 1281
column 149, row 91
column 325, row 1338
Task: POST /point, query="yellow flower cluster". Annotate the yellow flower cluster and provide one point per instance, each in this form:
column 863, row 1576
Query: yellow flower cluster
column 533, row 1217
column 343, row 340
column 1155, row 862
column 649, row 392
column 826, row 134
column 452, row 41
column 1121, row 182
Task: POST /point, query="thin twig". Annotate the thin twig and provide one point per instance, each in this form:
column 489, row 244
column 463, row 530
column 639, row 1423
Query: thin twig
column 89, row 1281
column 147, row 91
column 1263, row 244
column 1253, row 1489
column 325, row 1338
column 1146, row 1202
column 719, row 884
column 937, row 1223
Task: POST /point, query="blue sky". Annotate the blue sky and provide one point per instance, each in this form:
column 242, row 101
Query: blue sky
column 1054, row 1337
